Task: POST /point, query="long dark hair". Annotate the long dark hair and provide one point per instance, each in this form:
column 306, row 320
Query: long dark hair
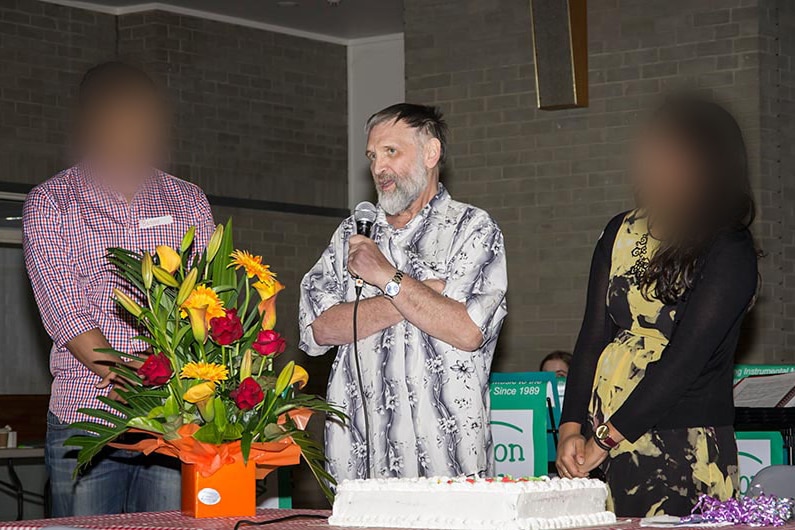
column 726, row 203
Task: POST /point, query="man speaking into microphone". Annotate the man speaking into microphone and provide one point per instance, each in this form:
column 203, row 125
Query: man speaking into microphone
column 433, row 282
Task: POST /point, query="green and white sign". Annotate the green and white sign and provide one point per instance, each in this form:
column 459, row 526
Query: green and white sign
column 757, row 450
column 741, row 371
column 519, row 418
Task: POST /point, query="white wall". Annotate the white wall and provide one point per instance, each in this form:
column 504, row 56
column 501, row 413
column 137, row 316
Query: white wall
column 376, row 79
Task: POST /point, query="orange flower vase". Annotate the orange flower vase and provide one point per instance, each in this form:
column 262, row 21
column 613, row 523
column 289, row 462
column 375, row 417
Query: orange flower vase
column 229, row 492
column 215, row 481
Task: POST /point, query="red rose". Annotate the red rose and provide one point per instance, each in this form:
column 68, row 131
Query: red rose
column 269, row 343
column 226, row 329
column 156, row 370
column 248, row 394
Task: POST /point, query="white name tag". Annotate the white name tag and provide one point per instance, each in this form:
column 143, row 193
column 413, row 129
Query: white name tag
column 155, row 221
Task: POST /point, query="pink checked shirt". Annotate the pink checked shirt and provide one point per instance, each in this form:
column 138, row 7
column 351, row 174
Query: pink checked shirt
column 68, row 224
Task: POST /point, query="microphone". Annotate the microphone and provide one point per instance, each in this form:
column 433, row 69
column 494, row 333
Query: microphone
column 364, row 215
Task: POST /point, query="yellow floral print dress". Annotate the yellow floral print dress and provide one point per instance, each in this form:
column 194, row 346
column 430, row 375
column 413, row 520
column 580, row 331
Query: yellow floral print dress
column 663, row 470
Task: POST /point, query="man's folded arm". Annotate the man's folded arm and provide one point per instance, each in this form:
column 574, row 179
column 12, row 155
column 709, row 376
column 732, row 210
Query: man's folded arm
column 470, row 310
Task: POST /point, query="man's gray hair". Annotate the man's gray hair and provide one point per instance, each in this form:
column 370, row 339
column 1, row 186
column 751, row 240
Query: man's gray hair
column 426, row 119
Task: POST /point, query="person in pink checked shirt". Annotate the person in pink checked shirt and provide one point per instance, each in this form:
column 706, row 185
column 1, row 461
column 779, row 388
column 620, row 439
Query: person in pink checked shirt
column 113, row 198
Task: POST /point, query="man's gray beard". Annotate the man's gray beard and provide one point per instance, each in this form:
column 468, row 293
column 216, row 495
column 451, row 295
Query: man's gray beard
column 405, row 193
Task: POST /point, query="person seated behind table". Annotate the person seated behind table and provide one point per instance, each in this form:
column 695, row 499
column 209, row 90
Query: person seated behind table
column 558, row 362
column 670, row 285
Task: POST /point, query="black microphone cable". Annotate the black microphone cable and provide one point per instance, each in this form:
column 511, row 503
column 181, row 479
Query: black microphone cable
column 360, row 383
column 364, row 216
column 245, row 522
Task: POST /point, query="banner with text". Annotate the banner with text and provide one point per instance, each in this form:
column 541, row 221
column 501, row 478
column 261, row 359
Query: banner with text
column 519, row 422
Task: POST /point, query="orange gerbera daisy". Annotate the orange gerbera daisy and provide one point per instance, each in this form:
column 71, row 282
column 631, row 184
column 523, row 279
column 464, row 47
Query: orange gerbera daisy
column 211, row 372
column 253, row 265
column 203, row 297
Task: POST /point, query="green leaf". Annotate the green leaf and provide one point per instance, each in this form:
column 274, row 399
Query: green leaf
column 233, row 432
column 220, row 272
column 284, row 378
column 313, row 455
column 127, row 373
column 220, row 419
column 148, row 340
column 146, row 424
column 119, row 407
column 104, row 415
column 272, row 432
column 208, row 433
column 170, row 407
column 121, row 354
column 172, row 425
column 245, row 445
column 179, row 336
column 157, row 412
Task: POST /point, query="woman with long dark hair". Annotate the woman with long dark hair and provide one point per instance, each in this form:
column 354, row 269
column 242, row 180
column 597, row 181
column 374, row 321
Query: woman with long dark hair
column 649, row 392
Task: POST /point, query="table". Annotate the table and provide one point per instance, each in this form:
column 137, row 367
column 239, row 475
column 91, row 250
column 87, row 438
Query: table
column 176, row 521
column 9, row 456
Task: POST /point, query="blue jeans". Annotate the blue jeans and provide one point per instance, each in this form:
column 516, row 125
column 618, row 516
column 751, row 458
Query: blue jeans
column 117, row 481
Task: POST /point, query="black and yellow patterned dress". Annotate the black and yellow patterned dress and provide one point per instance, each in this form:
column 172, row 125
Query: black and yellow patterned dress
column 662, row 374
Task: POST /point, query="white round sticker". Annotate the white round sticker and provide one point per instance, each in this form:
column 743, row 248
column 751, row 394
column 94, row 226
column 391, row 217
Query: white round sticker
column 209, row 496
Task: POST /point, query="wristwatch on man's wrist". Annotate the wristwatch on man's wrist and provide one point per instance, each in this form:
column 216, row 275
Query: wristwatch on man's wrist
column 601, row 437
column 392, row 287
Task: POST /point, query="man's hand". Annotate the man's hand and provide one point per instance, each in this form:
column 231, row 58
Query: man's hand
column 117, row 381
column 367, row 262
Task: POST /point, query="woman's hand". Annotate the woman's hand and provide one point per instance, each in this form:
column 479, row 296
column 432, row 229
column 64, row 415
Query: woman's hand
column 571, row 456
column 594, row 456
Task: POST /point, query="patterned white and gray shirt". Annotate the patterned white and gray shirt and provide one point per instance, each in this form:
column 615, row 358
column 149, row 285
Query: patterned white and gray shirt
column 427, row 402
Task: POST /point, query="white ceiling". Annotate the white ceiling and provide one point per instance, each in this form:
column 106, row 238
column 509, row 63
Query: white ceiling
column 349, row 19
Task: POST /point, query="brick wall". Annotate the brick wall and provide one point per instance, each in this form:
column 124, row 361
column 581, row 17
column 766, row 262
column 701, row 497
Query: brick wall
column 777, row 51
column 44, row 50
column 553, row 179
column 257, row 114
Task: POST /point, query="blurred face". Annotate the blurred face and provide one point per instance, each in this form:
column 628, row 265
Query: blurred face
column 666, row 176
column 560, row 368
column 397, row 163
column 125, row 135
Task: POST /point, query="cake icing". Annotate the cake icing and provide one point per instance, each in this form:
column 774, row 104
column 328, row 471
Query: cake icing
column 471, row 504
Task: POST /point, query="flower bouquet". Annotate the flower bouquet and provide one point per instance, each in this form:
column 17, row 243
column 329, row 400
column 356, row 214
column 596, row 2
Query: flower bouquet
column 208, row 392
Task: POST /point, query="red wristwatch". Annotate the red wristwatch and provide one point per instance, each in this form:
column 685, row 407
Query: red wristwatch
column 602, row 438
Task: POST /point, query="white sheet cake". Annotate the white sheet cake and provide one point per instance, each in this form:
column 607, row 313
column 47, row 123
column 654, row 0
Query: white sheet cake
column 471, row 504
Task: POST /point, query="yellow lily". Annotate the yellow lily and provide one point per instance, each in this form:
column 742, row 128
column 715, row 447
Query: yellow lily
column 198, row 322
column 187, row 286
column 146, row 269
column 268, row 292
column 215, row 242
column 207, row 409
column 200, row 392
column 245, row 366
column 300, row 376
column 187, row 239
column 169, row 259
column 128, row 303
column 164, row 277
